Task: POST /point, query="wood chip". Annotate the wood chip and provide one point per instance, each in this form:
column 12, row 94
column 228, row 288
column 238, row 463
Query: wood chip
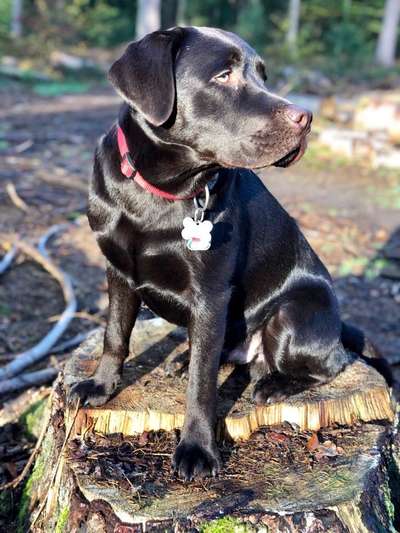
column 313, row 442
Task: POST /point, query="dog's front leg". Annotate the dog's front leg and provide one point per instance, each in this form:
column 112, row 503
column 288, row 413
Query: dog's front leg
column 197, row 453
column 124, row 304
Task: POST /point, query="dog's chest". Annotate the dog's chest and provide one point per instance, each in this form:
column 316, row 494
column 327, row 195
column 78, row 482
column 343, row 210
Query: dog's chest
column 156, row 261
column 162, row 270
column 163, row 281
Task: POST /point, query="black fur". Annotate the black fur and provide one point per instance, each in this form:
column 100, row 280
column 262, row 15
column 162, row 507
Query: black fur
column 184, row 122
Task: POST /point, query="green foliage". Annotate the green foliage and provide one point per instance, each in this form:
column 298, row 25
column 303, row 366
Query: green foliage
column 349, row 46
column 321, row 157
column 32, row 419
column 225, row 525
column 25, row 502
column 219, row 13
column 101, row 22
column 251, row 21
column 36, row 478
column 375, row 267
column 4, row 308
column 62, row 520
column 353, row 265
column 5, row 16
column 57, row 88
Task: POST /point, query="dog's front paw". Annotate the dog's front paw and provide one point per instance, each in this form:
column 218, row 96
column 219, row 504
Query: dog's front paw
column 193, row 460
column 94, row 391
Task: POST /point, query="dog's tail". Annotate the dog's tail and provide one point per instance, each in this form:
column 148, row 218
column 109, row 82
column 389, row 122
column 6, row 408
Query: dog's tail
column 355, row 340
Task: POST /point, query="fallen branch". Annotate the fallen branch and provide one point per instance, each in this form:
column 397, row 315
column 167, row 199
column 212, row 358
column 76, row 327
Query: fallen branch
column 15, row 198
column 22, row 147
column 30, row 379
column 74, row 341
column 84, row 316
column 48, row 176
column 13, row 409
column 38, row 352
column 8, row 259
column 48, row 235
column 62, row 346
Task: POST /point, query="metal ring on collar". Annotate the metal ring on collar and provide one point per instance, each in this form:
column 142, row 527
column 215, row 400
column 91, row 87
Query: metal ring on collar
column 206, row 200
column 198, row 215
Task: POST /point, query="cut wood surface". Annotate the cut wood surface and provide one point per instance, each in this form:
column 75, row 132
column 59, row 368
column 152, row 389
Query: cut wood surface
column 152, row 393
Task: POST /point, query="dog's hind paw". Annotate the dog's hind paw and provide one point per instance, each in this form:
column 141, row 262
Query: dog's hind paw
column 276, row 388
column 192, row 460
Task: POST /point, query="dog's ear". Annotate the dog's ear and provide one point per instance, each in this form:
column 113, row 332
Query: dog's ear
column 144, row 74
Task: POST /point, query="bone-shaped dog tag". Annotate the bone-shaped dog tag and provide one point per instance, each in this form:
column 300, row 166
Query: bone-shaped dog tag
column 197, row 234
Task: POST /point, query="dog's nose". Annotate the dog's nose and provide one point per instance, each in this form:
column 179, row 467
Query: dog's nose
column 298, row 116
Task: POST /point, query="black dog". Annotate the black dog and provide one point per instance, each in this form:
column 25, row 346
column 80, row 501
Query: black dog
column 198, row 112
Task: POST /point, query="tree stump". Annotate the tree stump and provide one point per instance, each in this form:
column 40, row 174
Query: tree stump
column 324, row 460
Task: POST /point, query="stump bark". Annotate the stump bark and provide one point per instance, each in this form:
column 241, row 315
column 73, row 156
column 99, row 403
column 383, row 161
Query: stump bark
column 324, row 460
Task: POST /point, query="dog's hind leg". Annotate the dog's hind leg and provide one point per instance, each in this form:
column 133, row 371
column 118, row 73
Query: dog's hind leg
column 302, row 344
column 124, row 304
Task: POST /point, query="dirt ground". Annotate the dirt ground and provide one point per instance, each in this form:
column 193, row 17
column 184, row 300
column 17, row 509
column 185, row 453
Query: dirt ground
column 349, row 212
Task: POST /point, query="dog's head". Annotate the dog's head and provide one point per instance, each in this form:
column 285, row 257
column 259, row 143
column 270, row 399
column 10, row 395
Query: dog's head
column 205, row 89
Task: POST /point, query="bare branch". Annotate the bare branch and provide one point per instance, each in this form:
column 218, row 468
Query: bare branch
column 15, row 198
column 30, row 379
column 38, row 352
column 8, row 259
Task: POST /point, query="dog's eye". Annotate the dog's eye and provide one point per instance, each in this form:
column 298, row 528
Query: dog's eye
column 224, row 77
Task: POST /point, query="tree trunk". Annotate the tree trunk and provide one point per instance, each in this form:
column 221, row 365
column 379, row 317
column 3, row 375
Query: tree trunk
column 148, row 17
column 114, row 473
column 181, row 14
column 16, row 19
column 293, row 25
column 169, row 13
column 386, row 47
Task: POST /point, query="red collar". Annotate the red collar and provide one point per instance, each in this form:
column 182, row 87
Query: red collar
column 128, row 169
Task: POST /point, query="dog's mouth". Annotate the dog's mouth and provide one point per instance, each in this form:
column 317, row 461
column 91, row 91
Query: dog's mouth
column 293, row 156
column 288, row 159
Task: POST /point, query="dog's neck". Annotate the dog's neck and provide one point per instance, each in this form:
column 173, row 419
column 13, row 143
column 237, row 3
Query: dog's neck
column 171, row 167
